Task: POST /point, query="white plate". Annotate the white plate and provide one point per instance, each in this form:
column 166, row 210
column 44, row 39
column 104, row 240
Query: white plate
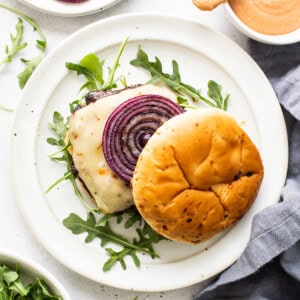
column 65, row 9
column 202, row 54
column 30, row 270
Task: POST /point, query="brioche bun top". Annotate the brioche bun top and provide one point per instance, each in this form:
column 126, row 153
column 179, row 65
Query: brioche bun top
column 197, row 175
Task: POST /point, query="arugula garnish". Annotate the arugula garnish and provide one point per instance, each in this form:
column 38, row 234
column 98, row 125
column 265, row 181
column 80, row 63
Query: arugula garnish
column 146, row 236
column 60, row 127
column 16, row 43
column 13, row 288
column 215, row 93
column 184, row 103
column 173, row 81
column 41, row 44
column 30, row 66
column 92, row 69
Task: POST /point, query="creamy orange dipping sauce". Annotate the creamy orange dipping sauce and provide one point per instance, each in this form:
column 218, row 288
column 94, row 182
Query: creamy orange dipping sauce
column 272, row 17
column 268, row 16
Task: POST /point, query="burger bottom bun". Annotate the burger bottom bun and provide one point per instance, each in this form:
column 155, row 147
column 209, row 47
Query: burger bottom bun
column 198, row 174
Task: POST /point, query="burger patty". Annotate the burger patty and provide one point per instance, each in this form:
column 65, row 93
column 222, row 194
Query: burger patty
column 110, row 193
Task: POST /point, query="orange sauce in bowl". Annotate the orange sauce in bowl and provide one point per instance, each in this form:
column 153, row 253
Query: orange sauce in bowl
column 272, row 17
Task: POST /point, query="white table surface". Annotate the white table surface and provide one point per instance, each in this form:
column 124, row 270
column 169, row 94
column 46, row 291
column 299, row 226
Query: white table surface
column 15, row 234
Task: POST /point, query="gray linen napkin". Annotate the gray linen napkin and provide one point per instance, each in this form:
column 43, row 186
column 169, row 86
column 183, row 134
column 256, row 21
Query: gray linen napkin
column 269, row 268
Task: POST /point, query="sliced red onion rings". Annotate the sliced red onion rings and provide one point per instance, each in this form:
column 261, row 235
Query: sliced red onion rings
column 130, row 126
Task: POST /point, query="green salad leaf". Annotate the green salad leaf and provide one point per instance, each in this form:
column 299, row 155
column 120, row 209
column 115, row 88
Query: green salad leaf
column 144, row 241
column 30, row 66
column 215, row 92
column 60, row 126
column 92, row 69
column 12, row 287
column 174, row 82
column 17, row 45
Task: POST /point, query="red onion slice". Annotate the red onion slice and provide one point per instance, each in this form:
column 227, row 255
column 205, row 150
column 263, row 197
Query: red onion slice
column 130, row 126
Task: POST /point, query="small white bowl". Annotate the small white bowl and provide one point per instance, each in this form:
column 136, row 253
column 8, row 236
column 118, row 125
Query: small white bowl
column 30, row 270
column 283, row 39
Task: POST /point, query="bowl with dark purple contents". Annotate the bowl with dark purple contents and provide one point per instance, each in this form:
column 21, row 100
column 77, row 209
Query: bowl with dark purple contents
column 70, row 8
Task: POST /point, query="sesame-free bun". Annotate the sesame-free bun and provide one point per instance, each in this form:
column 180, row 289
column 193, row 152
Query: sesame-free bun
column 197, row 175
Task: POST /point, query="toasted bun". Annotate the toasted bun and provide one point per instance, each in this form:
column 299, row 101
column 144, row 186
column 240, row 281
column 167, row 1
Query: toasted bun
column 198, row 174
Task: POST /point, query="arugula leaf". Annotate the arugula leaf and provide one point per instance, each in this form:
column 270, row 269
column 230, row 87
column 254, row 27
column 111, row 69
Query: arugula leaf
column 41, row 44
column 12, row 279
column 92, row 63
column 92, row 76
column 105, row 233
column 133, row 218
column 92, row 69
column 105, row 218
column 16, row 43
column 119, row 257
column 60, row 127
column 111, row 83
column 215, row 92
column 184, row 103
column 39, row 290
column 13, row 288
column 31, row 65
column 174, row 81
column 146, row 236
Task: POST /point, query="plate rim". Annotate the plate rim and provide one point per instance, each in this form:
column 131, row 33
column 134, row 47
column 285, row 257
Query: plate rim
column 122, row 18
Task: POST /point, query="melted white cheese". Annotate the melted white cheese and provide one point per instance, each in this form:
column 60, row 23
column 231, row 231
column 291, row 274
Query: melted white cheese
column 85, row 133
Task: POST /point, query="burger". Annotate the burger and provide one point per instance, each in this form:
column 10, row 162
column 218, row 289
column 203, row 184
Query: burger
column 190, row 174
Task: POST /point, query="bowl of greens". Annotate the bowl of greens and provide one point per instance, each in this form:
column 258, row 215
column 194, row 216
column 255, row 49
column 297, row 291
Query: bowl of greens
column 22, row 278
